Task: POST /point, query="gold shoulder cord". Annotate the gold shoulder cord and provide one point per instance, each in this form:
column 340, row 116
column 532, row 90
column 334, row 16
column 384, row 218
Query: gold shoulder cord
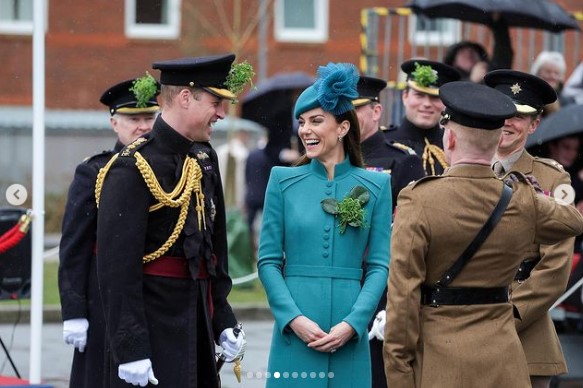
column 190, row 182
column 432, row 151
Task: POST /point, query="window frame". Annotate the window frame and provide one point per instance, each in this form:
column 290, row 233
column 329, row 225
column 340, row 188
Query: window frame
column 448, row 37
column 153, row 31
column 23, row 27
column 318, row 34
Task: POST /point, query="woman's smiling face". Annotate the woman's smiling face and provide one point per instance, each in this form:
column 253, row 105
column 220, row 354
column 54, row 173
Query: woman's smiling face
column 320, row 132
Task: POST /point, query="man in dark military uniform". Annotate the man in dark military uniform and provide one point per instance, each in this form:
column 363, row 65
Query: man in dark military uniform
column 449, row 320
column 81, row 308
column 384, row 155
column 544, row 273
column 420, row 128
column 380, row 153
column 161, row 239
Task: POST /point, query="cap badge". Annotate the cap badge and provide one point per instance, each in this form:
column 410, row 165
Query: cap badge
column 515, row 88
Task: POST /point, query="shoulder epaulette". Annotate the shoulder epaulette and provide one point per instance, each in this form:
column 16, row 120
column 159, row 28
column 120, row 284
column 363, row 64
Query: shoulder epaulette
column 550, row 162
column 131, row 148
column 391, row 127
column 403, row 147
column 102, row 153
column 424, row 179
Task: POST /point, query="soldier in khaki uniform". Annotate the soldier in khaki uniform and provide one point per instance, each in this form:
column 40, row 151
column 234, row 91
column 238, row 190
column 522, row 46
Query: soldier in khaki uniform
column 544, row 273
column 455, row 328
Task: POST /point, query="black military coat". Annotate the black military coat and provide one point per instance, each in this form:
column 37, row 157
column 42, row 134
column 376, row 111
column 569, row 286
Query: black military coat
column 382, row 154
column 407, row 133
column 78, row 270
column 167, row 320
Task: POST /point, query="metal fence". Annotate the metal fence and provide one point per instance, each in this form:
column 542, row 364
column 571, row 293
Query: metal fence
column 390, row 36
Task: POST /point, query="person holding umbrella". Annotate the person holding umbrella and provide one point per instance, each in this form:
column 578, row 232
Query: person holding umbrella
column 420, row 128
column 544, row 272
column 133, row 108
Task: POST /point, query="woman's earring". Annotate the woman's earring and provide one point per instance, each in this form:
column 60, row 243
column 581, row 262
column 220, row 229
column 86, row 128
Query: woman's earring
column 339, row 139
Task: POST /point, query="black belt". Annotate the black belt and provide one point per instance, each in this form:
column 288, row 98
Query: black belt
column 525, row 269
column 436, row 296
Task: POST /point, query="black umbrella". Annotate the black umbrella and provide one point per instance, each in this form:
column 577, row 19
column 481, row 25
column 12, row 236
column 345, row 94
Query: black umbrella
column 274, row 96
column 539, row 14
column 564, row 122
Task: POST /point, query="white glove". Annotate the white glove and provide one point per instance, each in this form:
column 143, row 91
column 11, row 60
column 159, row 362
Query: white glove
column 233, row 347
column 378, row 326
column 137, row 372
column 75, row 332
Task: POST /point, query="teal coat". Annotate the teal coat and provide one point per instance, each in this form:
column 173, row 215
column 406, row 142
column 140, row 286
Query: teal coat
column 321, row 275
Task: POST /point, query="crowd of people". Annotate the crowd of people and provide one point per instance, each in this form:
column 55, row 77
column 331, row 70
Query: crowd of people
column 371, row 280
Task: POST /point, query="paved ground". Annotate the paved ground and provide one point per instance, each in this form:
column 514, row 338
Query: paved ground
column 56, row 356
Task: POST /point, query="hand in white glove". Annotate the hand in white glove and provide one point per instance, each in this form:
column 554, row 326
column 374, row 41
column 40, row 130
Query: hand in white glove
column 233, row 347
column 137, row 372
column 75, row 332
column 378, row 326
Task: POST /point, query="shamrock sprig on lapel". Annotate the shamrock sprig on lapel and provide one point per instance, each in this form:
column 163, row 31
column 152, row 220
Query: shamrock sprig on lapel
column 350, row 210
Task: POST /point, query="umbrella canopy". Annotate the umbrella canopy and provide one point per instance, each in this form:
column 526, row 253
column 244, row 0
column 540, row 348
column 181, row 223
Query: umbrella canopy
column 538, row 14
column 274, row 99
column 566, row 121
column 232, row 123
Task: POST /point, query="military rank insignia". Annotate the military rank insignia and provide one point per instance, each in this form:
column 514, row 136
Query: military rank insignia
column 136, row 143
column 201, row 155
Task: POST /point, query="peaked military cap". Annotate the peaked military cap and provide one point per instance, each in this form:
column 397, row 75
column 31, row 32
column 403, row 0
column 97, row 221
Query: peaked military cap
column 208, row 73
column 427, row 76
column 369, row 89
column 529, row 93
column 475, row 105
column 120, row 98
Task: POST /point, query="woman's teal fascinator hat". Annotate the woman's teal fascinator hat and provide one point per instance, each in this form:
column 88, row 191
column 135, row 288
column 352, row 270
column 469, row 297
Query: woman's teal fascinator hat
column 333, row 91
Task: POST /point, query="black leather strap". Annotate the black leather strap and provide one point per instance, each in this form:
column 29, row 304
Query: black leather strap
column 436, row 296
column 471, row 249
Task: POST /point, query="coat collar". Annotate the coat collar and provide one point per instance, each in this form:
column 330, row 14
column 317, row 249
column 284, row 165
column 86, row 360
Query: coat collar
column 340, row 169
column 478, row 171
column 169, row 138
column 524, row 164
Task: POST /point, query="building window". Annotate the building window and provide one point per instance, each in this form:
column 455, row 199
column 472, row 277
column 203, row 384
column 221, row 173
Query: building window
column 433, row 32
column 16, row 17
column 153, row 19
column 301, row 21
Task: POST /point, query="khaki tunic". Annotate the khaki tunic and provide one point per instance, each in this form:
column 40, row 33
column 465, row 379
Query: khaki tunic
column 546, row 283
column 471, row 345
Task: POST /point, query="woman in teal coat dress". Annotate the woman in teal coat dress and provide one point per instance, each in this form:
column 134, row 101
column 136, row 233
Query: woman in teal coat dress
column 323, row 221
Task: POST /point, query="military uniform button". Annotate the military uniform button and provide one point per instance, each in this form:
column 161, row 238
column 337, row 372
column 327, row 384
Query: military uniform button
column 327, row 228
column 326, row 236
column 325, row 254
column 326, row 245
column 328, row 192
column 329, row 184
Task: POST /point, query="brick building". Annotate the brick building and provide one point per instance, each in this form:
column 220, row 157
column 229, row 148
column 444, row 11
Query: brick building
column 91, row 44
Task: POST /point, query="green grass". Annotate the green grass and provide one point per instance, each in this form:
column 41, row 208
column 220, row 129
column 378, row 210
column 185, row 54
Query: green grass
column 241, row 294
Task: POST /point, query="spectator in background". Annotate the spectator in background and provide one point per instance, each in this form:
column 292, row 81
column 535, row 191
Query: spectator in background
column 573, row 90
column 471, row 58
column 551, row 67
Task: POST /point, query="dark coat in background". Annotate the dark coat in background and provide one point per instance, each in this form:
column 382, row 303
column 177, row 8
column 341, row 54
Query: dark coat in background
column 78, row 270
column 410, row 135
